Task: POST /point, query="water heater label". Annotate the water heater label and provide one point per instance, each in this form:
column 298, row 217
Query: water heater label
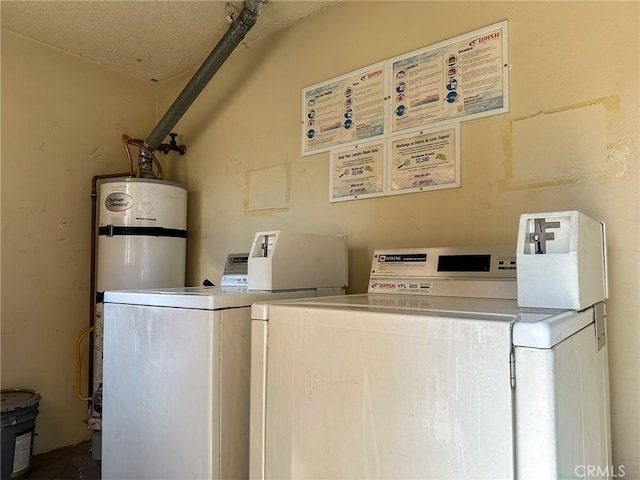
column 118, row 202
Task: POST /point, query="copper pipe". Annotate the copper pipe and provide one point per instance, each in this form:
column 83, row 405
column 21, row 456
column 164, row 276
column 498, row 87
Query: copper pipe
column 142, row 146
column 125, row 142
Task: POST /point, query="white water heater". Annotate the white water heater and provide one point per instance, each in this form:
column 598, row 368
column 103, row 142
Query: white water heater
column 142, row 235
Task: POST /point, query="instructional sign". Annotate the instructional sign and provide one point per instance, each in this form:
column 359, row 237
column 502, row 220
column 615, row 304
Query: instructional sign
column 459, row 79
column 357, row 172
column 345, row 109
column 424, row 160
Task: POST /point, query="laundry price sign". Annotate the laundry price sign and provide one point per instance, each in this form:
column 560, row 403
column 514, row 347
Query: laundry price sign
column 424, row 160
column 357, row 172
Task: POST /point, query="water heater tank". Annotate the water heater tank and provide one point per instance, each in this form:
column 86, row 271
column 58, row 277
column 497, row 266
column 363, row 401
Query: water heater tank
column 142, row 231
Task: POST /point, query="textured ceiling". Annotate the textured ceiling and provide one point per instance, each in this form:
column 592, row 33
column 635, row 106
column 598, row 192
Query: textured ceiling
column 151, row 40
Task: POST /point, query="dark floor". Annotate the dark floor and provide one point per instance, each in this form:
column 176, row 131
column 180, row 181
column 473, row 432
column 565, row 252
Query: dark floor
column 68, row 463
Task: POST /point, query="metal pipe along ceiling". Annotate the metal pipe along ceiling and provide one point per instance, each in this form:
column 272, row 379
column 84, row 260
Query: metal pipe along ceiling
column 238, row 29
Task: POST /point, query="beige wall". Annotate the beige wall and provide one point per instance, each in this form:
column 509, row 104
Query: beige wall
column 574, row 71
column 569, row 142
column 62, row 120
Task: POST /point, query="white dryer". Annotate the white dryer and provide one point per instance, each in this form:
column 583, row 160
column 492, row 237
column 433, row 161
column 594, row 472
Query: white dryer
column 177, row 363
column 436, row 373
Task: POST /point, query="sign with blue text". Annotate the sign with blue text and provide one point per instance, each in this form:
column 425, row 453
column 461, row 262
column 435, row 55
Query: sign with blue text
column 344, row 110
column 459, row 79
column 456, row 80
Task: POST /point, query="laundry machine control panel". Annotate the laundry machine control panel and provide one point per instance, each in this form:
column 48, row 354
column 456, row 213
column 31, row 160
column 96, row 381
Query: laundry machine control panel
column 450, row 271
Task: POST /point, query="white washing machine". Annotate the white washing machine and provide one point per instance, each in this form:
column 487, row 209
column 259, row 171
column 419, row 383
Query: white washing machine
column 437, row 372
column 177, row 364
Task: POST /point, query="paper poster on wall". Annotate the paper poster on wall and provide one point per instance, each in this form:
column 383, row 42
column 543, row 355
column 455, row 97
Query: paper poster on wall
column 459, row 79
column 424, row 160
column 357, row 172
column 344, row 110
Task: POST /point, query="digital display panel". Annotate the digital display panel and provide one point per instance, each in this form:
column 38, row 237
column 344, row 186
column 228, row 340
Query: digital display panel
column 464, row 263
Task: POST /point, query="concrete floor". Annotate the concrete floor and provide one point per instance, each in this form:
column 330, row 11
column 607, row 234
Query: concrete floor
column 67, row 463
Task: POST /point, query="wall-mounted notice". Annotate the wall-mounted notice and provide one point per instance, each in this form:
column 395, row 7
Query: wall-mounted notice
column 459, row 79
column 346, row 109
column 357, row 172
column 424, row 160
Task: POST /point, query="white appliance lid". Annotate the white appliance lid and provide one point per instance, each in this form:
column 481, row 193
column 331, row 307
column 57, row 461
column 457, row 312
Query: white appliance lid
column 425, row 305
column 535, row 331
column 536, row 328
column 200, row 298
